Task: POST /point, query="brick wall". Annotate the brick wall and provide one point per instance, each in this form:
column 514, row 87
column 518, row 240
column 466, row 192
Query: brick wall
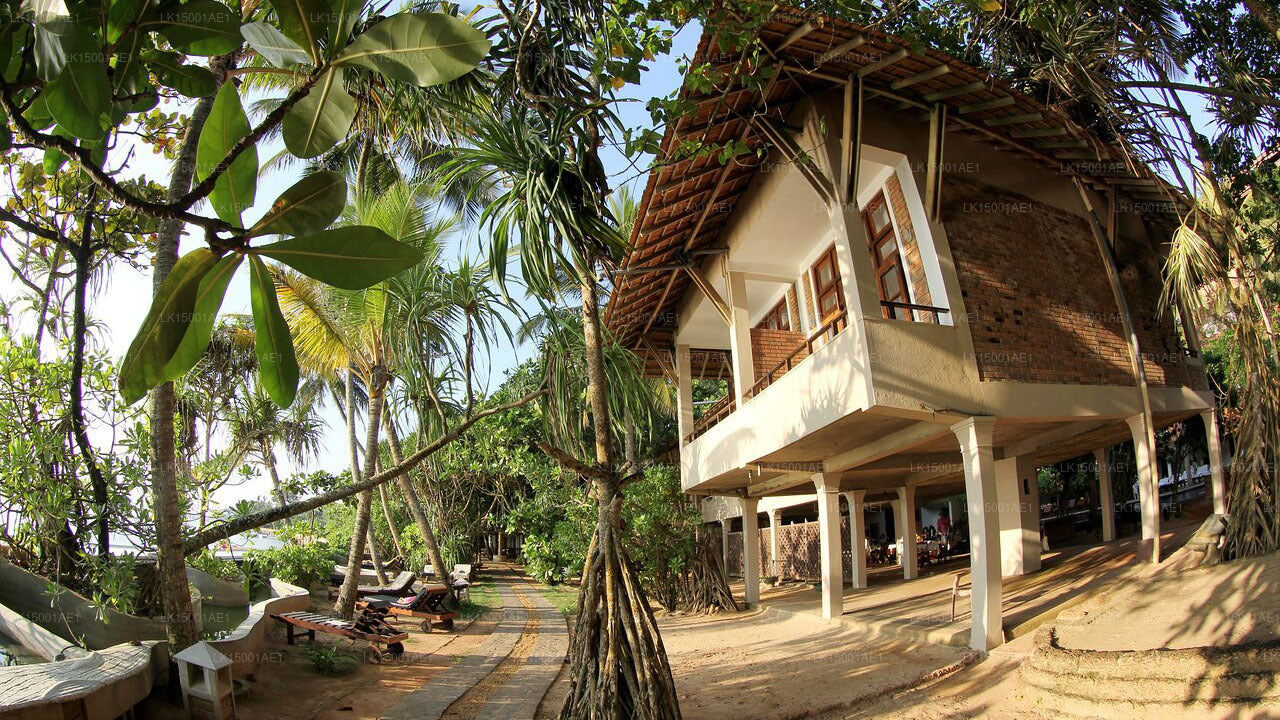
column 808, row 300
column 1040, row 306
column 910, row 247
column 770, row 347
column 793, row 308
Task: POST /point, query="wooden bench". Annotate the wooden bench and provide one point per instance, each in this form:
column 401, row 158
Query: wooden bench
column 311, row 623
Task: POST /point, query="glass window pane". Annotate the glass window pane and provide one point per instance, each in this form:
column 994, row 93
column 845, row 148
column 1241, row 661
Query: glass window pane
column 888, row 249
column 892, row 288
column 880, row 217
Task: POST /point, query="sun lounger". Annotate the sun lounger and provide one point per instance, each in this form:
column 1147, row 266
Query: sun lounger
column 399, row 587
column 428, row 604
column 378, row 634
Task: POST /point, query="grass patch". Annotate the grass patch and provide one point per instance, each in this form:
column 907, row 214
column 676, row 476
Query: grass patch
column 564, row 597
column 481, row 598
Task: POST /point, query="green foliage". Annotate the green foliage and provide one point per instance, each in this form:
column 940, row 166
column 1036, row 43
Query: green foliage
column 295, row 563
column 207, row 561
column 329, row 659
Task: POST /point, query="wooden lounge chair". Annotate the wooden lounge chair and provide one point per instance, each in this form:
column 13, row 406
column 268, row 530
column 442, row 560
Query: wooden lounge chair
column 311, row 623
column 428, row 604
column 401, row 586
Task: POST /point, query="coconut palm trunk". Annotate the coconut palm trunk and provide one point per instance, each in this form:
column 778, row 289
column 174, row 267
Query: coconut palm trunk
column 346, row 603
column 618, row 667
column 391, row 522
column 171, row 565
column 414, row 502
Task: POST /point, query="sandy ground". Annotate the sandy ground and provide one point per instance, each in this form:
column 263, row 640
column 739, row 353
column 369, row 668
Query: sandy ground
column 771, row 666
column 1225, row 604
column 287, row 685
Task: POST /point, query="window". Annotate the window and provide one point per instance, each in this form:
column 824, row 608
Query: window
column 891, row 280
column 827, row 293
column 778, row 318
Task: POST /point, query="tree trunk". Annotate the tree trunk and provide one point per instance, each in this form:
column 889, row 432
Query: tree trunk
column 391, row 521
column 415, row 504
column 269, row 459
column 617, row 665
column 375, row 554
column 171, row 563
column 1269, row 18
column 346, row 603
column 83, row 255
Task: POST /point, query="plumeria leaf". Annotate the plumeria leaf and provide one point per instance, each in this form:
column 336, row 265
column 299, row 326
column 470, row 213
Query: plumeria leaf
column 234, row 190
column 320, row 119
column 352, row 257
column 165, row 325
column 309, row 206
column 277, row 364
column 420, row 48
column 213, row 286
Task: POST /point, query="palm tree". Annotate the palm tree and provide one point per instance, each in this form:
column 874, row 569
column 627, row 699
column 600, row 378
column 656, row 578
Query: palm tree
column 355, row 335
column 258, row 426
column 553, row 206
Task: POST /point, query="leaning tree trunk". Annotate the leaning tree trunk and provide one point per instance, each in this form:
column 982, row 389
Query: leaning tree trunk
column 375, row 554
column 346, row 603
column 171, row 565
column 617, row 665
column 415, row 503
column 391, row 521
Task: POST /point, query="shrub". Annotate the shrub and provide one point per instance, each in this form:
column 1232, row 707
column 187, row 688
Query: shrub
column 301, row 565
column 210, row 563
column 329, row 659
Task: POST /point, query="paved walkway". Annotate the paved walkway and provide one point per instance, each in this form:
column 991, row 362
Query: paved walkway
column 498, row 682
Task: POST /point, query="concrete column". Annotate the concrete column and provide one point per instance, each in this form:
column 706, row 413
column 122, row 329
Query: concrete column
column 906, row 522
column 974, row 435
column 828, row 487
column 775, row 544
column 1105, row 495
column 858, row 536
column 1213, row 441
column 724, row 544
column 751, row 549
column 1018, row 499
column 896, row 514
column 744, row 373
column 684, row 392
column 1148, row 487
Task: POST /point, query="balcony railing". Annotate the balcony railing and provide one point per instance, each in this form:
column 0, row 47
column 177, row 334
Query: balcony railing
column 891, row 305
column 714, row 413
column 820, row 337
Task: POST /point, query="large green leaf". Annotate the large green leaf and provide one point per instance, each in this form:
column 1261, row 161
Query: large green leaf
column 190, row 80
column 79, row 98
column 272, row 45
column 165, row 325
column 352, row 257
column 213, row 286
column 277, row 365
column 201, row 27
column 37, row 113
column 56, row 41
column 419, row 48
column 306, row 22
column 345, row 13
column 234, row 189
column 320, row 119
column 121, row 14
column 309, row 206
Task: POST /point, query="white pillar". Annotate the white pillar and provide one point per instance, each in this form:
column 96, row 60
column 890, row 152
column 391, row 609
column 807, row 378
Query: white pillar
column 828, row 487
column 856, row 500
column 724, row 544
column 744, row 373
column 684, row 392
column 1148, row 487
column 1213, row 441
column 896, row 514
column 751, row 549
column 1105, row 495
column 1018, row 498
column 775, row 544
column 906, row 522
column 974, row 435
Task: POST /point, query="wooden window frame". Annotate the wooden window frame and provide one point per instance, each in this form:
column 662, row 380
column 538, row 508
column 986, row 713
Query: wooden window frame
column 819, row 290
column 780, row 311
column 884, row 266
